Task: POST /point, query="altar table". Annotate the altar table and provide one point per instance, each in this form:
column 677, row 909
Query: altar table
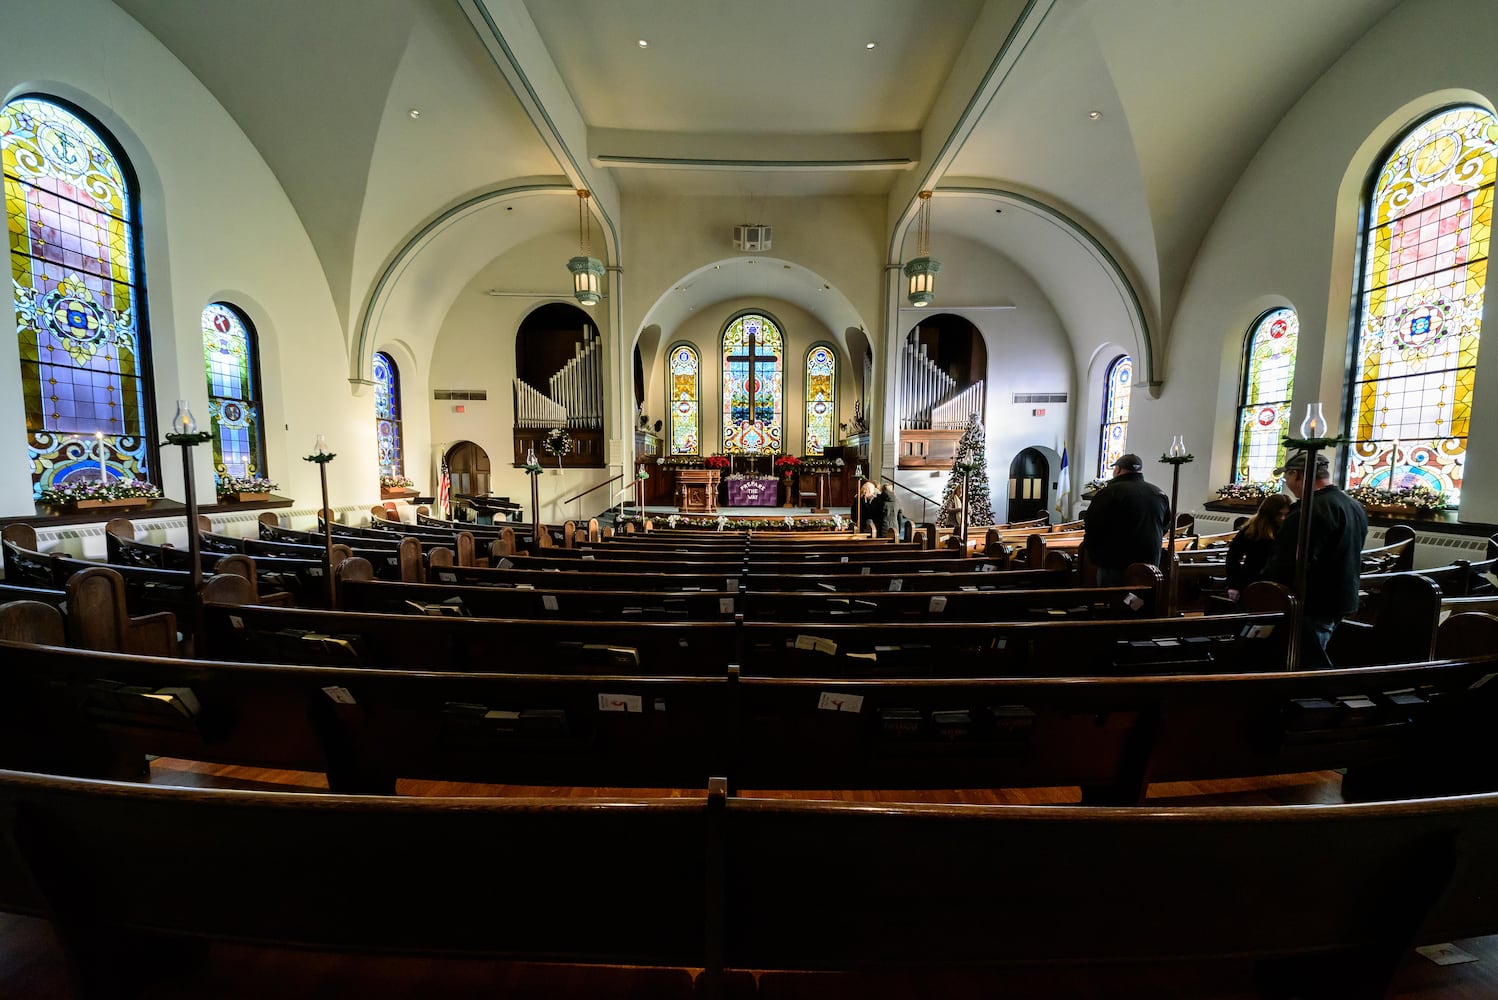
column 753, row 491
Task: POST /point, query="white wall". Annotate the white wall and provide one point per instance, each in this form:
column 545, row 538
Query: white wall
column 1287, row 236
column 217, row 226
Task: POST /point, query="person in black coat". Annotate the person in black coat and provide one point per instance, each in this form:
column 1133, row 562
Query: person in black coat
column 1126, row 522
column 1251, row 546
column 1334, row 559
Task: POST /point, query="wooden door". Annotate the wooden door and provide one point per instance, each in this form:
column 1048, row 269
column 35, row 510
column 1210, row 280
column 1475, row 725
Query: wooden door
column 468, row 465
column 1029, row 486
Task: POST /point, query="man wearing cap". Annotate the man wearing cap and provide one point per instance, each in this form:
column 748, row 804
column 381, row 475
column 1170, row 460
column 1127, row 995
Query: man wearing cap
column 1126, row 522
column 1339, row 527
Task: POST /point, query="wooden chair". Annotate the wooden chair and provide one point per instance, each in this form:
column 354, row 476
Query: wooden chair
column 97, row 618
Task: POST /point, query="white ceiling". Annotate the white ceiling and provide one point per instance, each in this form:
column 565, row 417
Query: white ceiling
column 765, row 98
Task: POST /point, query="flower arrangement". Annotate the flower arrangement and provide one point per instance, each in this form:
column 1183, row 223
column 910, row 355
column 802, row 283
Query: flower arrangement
column 836, row 522
column 719, row 462
column 557, row 442
column 679, row 461
column 1248, row 490
column 229, row 485
column 1419, row 496
column 396, row 483
column 1093, row 486
column 821, row 464
column 787, row 464
column 88, row 489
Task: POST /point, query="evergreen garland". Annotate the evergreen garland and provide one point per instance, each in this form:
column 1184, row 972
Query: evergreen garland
column 972, row 456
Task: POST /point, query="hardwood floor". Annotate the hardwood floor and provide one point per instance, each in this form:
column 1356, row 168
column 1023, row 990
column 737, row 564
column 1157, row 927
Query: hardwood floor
column 31, row 963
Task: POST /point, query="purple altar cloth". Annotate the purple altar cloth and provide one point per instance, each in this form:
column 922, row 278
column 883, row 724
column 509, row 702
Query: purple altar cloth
column 757, row 492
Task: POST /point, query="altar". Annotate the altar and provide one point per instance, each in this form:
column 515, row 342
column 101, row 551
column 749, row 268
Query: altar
column 752, row 491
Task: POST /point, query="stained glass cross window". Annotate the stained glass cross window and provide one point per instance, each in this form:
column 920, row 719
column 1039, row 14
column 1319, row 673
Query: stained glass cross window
column 1425, row 268
column 753, row 351
column 75, row 267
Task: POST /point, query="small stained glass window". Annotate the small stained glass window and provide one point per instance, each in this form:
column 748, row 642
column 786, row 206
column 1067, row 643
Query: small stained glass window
column 1264, row 404
column 387, row 382
column 75, row 268
column 685, row 404
column 821, row 398
column 233, row 392
column 1117, row 384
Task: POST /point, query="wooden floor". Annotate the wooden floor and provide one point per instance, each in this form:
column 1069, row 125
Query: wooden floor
column 31, row 962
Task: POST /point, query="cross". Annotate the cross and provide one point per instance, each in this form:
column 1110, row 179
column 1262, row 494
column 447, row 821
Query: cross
column 750, row 356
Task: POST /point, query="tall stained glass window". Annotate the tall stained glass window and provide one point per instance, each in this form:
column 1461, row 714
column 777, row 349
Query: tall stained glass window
column 1425, row 266
column 233, row 392
column 387, row 380
column 685, row 404
column 74, row 263
column 1116, row 387
column 821, row 398
column 1264, row 404
column 752, row 340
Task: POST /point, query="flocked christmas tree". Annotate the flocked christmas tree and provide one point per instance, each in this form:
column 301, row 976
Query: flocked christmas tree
column 972, row 457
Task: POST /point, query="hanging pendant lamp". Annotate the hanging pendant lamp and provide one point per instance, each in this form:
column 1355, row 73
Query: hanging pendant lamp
column 921, row 272
column 587, row 270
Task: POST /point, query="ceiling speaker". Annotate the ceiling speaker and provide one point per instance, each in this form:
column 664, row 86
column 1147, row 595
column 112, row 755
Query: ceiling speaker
column 753, row 237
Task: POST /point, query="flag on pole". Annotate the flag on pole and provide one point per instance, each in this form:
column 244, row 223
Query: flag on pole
column 1063, row 485
column 444, row 490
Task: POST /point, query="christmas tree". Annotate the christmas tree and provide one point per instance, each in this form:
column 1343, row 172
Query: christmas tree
column 972, row 459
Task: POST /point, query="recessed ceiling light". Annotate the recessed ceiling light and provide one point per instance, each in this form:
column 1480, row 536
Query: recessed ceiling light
column 1094, row 115
column 644, row 44
column 870, row 45
column 414, row 112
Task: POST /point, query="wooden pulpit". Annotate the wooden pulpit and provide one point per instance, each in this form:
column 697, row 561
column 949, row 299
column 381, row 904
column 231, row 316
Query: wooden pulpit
column 697, row 491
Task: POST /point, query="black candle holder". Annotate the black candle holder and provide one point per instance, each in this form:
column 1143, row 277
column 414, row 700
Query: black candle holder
column 1172, row 562
column 321, row 460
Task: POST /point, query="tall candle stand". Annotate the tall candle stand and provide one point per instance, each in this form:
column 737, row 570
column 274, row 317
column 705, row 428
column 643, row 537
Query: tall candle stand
column 322, row 456
column 533, row 469
column 185, row 435
column 1176, row 457
column 858, row 499
column 1311, row 441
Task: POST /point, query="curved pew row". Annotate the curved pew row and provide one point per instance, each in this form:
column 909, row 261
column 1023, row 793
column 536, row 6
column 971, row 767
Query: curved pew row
column 99, row 714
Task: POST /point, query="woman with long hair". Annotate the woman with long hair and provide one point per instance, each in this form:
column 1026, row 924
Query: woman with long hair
column 1250, row 548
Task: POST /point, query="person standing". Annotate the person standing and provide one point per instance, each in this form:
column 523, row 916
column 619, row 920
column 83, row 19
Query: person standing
column 1126, row 522
column 1251, row 546
column 1334, row 555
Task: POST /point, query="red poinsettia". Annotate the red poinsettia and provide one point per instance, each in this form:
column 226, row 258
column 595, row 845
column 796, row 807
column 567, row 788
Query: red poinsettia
column 786, row 464
column 716, row 461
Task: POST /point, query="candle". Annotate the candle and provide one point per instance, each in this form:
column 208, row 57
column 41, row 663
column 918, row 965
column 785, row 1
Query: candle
column 321, row 447
column 103, row 469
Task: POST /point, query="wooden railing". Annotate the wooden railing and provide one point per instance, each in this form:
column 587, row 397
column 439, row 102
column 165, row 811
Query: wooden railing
column 592, row 489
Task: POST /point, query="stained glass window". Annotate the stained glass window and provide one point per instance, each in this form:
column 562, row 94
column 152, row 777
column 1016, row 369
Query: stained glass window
column 684, row 404
column 755, row 336
column 1264, row 405
column 233, row 392
column 1116, row 387
column 821, row 398
column 1425, row 267
column 73, row 227
column 387, row 380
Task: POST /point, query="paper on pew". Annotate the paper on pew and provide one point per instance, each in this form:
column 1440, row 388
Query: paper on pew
column 817, row 644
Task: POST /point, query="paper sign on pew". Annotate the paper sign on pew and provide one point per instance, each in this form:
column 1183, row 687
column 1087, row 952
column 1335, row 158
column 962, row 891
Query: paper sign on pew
column 817, row 644
column 833, row 701
column 620, row 703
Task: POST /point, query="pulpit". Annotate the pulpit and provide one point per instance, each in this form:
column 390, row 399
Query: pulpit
column 697, row 491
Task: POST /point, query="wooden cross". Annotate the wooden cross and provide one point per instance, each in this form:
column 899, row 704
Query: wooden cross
column 750, row 356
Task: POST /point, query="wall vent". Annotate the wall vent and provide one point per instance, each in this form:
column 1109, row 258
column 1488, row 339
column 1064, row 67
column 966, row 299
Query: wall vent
column 460, row 393
column 1040, row 397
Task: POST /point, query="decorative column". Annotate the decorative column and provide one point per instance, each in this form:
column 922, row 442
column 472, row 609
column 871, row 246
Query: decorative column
column 1176, row 457
column 322, row 456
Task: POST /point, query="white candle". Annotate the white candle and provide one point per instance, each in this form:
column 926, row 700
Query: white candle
column 1394, row 466
column 103, row 469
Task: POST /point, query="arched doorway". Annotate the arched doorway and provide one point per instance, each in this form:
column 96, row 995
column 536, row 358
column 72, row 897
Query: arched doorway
column 468, row 465
column 1029, row 486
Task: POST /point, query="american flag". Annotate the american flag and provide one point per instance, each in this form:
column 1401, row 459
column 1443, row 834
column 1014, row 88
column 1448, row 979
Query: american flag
column 444, row 490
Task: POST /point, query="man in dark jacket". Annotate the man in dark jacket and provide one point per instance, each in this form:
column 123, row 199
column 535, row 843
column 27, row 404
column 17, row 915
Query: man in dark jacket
column 1126, row 522
column 1334, row 561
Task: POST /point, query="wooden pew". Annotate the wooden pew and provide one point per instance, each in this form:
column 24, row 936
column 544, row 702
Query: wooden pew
column 255, row 633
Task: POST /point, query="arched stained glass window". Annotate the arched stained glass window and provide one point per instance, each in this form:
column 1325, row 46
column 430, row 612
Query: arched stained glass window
column 752, row 342
column 387, row 380
column 685, row 402
column 74, row 262
column 1117, row 385
column 1264, row 404
column 821, row 398
column 1425, row 266
column 229, row 356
